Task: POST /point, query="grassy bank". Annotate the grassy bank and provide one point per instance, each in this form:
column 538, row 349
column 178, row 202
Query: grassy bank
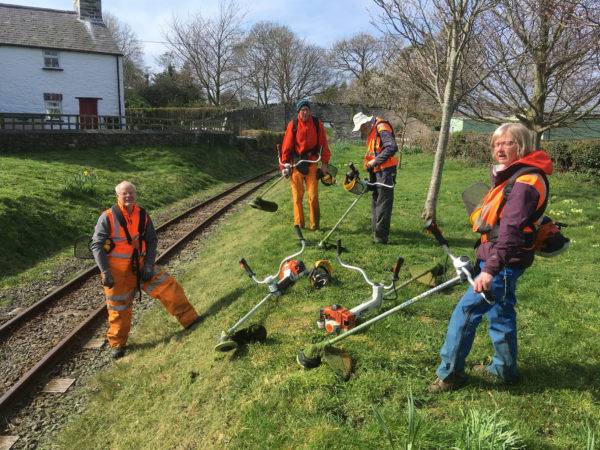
column 49, row 199
column 173, row 391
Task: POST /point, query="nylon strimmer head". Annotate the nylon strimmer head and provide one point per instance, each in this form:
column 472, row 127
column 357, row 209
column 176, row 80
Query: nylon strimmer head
column 310, row 358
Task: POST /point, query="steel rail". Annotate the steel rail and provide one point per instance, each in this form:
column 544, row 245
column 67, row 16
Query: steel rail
column 79, row 279
column 25, row 382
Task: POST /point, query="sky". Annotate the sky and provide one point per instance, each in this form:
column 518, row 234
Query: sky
column 319, row 22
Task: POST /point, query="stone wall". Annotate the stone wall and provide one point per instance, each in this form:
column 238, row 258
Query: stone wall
column 276, row 117
column 12, row 141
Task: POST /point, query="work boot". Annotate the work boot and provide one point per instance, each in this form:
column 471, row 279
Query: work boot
column 451, row 383
column 378, row 240
column 117, row 352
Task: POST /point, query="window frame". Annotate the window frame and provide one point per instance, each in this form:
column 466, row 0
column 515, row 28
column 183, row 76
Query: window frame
column 53, row 56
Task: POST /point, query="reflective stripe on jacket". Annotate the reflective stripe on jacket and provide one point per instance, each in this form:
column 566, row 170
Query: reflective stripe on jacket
column 374, row 145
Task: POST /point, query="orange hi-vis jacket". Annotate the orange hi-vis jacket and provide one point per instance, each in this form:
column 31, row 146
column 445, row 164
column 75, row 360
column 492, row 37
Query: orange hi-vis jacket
column 305, row 143
column 123, row 249
column 374, row 146
column 486, row 217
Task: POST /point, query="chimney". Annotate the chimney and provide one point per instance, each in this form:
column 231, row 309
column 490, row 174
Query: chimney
column 90, row 10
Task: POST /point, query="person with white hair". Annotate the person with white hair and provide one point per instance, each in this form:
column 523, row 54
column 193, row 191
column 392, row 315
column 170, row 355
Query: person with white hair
column 381, row 164
column 124, row 247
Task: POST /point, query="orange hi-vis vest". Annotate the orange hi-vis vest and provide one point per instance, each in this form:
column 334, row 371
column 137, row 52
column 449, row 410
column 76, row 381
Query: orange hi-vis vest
column 374, row 145
column 123, row 249
column 485, row 219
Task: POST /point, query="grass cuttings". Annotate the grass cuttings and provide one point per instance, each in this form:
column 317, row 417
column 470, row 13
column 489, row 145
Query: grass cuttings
column 173, row 391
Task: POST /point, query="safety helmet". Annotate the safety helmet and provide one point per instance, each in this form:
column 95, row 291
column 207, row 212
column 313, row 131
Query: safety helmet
column 320, row 275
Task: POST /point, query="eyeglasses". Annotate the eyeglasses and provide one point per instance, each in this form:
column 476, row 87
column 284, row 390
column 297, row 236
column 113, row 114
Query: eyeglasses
column 505, row 144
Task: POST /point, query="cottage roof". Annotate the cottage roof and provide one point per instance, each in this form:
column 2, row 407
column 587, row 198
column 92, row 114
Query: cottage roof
column 50, row 28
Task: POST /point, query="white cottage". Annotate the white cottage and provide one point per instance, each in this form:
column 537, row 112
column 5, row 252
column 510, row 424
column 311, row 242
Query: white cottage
column 59, row 62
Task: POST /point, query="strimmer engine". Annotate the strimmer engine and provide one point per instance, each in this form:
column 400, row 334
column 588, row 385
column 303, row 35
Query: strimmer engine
column 335, row 318
column 290, row 272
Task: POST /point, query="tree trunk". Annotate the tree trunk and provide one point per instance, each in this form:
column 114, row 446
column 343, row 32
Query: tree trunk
column 429, row 212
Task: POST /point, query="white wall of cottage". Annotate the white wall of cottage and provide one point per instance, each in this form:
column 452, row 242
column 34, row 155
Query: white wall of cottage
column 23, row 81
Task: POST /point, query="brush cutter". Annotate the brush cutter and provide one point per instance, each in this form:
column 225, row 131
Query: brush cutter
column 353, row 183
column 335, row 317
column 265, row 205
column 340, row 359
column 290, row 270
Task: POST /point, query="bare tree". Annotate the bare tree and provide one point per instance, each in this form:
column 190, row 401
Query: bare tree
column 357, row 56
column 299, row 70
column 438, row 33
column 543, row 62
column 132, row 49
column 255, row 55
column 208, row 46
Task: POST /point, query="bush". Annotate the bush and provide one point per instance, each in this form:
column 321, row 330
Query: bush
column 576, row 156
column 470, row 147
column 175, row 113
column 265, row 139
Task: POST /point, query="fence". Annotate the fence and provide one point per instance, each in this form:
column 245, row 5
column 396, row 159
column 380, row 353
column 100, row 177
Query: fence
column 19, row 121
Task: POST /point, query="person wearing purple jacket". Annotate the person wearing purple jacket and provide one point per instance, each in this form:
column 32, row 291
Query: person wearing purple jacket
column 505, row 221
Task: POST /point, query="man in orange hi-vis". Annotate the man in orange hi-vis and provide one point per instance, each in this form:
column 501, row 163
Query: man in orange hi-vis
column 124, row 247
column 381, row 164
column 304, row 138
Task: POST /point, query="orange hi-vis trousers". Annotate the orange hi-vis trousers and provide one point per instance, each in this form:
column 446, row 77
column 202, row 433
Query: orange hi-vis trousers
column 297, row 181
column 119, row 299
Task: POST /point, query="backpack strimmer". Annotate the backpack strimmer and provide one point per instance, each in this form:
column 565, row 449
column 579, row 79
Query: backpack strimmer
column 549, row 240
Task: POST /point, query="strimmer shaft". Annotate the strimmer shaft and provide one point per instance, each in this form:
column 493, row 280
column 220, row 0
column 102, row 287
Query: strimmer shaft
column 441, row 287
column 249, row 314
column 340, row 220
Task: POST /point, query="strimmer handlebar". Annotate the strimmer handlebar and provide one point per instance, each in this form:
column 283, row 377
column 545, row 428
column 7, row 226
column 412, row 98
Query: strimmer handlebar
column 396, row 268
column 432, row 228
column 298, row 232
column 247, row 268
column 462, row 264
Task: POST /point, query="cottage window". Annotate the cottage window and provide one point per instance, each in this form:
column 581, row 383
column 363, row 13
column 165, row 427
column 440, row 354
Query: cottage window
column 51, row 59
column 53, row 106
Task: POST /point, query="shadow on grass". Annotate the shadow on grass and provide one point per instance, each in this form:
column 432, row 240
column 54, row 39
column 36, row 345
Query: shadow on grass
column 539, row 379
column 569, row 376
column 212, row 310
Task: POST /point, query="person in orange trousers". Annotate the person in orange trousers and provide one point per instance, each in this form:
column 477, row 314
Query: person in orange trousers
column 124, row 247
column 304, row 138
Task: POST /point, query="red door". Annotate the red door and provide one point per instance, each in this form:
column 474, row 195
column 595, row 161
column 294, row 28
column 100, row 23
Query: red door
column 88, row 113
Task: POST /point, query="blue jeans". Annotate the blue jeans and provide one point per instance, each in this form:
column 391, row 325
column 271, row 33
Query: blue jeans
column 502, row 328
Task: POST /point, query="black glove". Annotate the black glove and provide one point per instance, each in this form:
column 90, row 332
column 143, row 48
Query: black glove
column 147, row 273
column 107, row 280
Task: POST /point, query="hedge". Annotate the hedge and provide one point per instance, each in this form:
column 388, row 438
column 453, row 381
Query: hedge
column 471, row 147
column 265, row 139
column 576, row 156
column 175, row 113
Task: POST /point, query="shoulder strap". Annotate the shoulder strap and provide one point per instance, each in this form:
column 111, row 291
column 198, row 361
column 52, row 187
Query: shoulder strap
column 377, row 122
column 119, row 215
column 511, row 183
column 142, row 224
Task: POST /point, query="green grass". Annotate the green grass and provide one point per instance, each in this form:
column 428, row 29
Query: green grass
column 43, row 209
column 173, row 391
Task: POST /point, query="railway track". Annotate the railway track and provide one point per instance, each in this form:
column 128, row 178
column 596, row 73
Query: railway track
column 37, row 338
